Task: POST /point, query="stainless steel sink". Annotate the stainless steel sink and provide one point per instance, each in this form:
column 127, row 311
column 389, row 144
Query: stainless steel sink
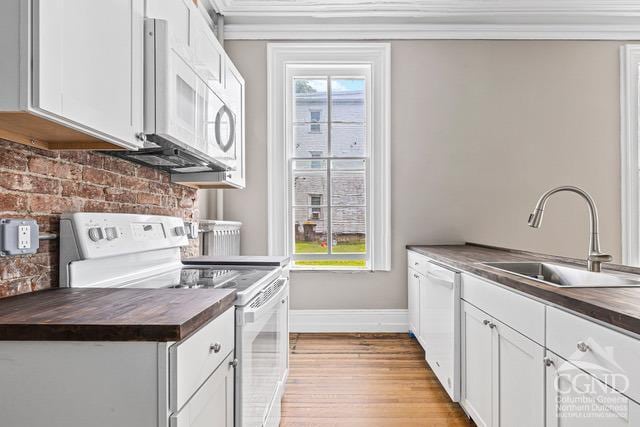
column 564, row 276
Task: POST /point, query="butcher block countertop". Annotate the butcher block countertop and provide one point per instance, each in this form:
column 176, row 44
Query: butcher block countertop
column 619, row 307
column 86, row 314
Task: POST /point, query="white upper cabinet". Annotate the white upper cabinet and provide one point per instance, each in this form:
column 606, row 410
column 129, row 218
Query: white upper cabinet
column 88, row 64
column 83, row 72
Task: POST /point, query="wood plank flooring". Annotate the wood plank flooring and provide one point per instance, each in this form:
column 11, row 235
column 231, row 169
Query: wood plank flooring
column 364, row 380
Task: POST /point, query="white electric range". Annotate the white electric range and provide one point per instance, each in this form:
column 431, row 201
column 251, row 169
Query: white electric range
column 143, row 251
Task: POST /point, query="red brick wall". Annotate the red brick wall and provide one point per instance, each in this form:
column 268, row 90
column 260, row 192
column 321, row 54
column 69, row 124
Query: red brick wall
column 43, row 184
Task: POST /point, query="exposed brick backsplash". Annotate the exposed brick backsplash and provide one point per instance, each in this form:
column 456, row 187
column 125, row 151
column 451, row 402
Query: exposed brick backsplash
column 42, row 184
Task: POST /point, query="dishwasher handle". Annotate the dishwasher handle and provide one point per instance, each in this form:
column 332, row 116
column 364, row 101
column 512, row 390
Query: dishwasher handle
column 439, row 280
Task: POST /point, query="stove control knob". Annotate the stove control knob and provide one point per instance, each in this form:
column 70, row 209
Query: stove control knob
column 95, row 234
column 179, row 231
column 111, row 233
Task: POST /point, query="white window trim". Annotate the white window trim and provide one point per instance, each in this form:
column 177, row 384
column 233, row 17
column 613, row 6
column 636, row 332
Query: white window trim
column 377, row 55
column 630, row 126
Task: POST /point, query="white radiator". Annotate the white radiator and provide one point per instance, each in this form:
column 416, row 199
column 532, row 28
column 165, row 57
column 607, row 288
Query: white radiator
column 220, row 238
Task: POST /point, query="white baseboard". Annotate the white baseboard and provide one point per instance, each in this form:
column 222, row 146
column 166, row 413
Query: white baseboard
column 348, row 321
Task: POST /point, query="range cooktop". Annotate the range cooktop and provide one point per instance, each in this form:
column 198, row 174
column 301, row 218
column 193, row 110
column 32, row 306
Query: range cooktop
column 238, row 279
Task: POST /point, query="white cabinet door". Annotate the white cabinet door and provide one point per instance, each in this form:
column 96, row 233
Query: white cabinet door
column 518, row 383
column 414, row 301
column 88, row 64
column 235, row 90
column 576, row 399
column 477, row 364
column 212, row 405
column 423, row 291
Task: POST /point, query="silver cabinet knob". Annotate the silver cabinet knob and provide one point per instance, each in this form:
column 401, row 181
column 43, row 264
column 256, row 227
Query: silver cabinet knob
column 485, row 322
column 582, row 346
column 234, row 363
column 283, row 300
column 492, row 325
column 547, row 362
column 140, row 136
column 215, row 347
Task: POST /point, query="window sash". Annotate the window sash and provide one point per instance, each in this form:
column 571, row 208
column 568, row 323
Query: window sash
column 311, row 72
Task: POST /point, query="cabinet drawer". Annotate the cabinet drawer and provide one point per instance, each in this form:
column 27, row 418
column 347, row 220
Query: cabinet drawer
column 192, row 361
column 518, row 312
column 418, row 262
column 606, row 354
column 576, row 399
column 212, row 405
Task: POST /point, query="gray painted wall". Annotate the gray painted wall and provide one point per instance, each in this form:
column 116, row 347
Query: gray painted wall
column 479, row 130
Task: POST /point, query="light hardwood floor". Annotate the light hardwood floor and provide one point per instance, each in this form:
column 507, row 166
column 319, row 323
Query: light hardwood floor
column 364, row 380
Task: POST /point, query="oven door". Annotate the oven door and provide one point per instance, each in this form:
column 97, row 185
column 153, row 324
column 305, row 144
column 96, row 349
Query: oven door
column 262, row 347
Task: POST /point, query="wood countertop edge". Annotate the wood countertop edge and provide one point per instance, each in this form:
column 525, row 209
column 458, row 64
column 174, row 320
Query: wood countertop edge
column 116, row 332
column 560, row 297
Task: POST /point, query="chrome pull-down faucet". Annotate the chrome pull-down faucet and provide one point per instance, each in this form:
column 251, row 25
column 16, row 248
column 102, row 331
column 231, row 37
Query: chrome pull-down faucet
column 595, row 258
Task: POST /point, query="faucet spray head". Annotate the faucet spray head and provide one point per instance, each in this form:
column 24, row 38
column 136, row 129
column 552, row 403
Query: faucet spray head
column 535, row 218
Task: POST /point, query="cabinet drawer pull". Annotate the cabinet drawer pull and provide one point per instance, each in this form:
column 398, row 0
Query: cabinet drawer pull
column 416, row 276
column 582, row 346
column 547, row 362
column 234, row 363
column 216, row 347
column 492, row 325
column 486, row 322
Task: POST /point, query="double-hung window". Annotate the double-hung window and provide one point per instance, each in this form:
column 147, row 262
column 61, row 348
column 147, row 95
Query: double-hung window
column 329, row 156
column 328, row 176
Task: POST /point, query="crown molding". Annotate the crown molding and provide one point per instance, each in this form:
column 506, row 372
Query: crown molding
column 430, row 31
column 421, row 8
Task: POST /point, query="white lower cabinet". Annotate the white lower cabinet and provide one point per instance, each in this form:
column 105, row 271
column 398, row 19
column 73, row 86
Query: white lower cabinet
column 124, row 384
column 502, row 372
column 477, row 365
column 414, row 301
column 527, row 363
column 576, row 399
column 519, row 378
column 212, row 405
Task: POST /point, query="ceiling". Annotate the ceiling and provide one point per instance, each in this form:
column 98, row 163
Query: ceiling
column 326, row 19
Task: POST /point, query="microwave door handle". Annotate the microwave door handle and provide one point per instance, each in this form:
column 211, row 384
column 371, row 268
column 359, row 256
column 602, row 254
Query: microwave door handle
column 250, row 314
column 232, row 128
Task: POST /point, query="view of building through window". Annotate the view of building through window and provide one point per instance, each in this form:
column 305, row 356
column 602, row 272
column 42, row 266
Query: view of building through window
column 329, row 172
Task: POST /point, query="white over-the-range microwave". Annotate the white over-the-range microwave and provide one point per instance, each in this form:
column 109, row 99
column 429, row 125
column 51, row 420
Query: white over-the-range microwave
column 191, row 120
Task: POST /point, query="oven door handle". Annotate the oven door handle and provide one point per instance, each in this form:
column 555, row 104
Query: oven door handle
column 251, row 314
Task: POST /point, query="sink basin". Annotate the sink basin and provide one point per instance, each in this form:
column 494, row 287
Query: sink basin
column 564, row 276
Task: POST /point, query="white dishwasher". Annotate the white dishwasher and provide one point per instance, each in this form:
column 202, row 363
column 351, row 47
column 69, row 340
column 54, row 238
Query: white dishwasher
column 440, row 325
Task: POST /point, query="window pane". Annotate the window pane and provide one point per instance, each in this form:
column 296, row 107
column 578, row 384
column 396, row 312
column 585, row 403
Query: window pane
column 347, row 100
column 309, row 182
column 348, row 140
column 348, row 183
column 310, row 230
column 333, row 263
column 310, row 138
column 310, row 100
column 349, row 228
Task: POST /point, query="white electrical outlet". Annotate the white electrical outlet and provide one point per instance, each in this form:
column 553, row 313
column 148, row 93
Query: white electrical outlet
column 24, row 237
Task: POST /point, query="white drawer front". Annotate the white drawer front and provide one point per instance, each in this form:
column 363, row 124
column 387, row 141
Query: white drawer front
column 518, row 312
column 418, row 262
column 194, row 359
column 606, row 354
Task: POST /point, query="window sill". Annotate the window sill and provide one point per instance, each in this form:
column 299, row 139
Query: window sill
column 307, row 269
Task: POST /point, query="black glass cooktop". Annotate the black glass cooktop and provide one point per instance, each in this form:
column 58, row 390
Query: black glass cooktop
column 239, row 279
